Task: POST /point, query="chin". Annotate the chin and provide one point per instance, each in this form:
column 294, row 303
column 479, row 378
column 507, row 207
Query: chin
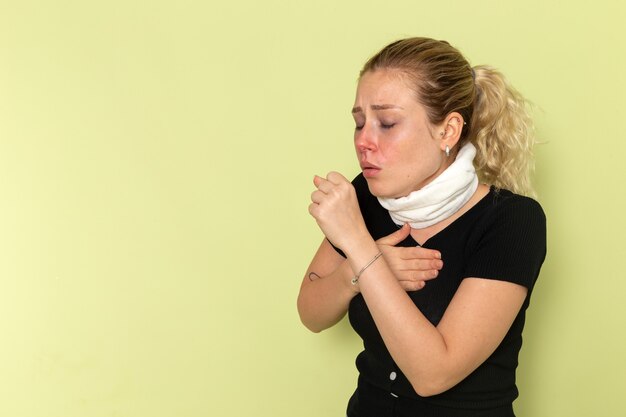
column 379, row 190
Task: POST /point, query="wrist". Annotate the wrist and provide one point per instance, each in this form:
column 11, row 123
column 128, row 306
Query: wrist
column 360, row 243
column 346, row 275
column 357, row 276
column 361, row 253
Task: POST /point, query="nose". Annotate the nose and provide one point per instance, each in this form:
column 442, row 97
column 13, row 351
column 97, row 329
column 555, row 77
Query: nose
column 364, row 140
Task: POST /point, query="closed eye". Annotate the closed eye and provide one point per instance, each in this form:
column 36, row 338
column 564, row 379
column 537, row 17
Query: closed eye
column 384, row 126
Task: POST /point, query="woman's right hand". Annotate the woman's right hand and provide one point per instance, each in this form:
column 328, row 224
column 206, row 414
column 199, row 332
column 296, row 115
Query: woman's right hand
column 412, row 266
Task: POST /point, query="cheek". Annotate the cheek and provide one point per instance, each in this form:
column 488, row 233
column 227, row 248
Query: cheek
column 418, row 157
column 396, row 145
column 387, row 152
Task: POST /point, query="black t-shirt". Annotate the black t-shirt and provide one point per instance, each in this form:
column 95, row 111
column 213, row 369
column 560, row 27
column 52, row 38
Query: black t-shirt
column 502, row 237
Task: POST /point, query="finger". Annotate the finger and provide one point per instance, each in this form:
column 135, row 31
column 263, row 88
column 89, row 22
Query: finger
column 428, row 275
column 421, row 264
column 419, row 252
column 414, row 276
column 396, row 237
column 317, row 180
column 317, row 196
column 412, row 285
column 336, row 178
column 323, row 184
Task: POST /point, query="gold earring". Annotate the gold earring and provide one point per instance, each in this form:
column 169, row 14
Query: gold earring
column 447, row 151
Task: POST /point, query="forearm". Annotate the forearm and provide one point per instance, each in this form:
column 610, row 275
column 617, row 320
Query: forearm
column 416, row 346
column 324, row 300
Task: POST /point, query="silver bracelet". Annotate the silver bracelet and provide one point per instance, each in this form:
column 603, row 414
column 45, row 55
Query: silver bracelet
column 355, row 279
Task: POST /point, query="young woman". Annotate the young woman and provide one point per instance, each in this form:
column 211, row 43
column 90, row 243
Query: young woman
column 433, row 249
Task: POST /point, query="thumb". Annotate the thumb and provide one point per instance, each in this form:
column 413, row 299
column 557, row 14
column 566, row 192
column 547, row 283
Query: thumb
column 396, row 237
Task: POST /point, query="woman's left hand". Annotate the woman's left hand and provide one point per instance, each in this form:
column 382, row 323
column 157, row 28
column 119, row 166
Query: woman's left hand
column 336, row 210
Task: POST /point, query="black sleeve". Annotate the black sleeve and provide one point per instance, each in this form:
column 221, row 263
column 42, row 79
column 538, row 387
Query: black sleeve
column 510, row 244
column 339, row 251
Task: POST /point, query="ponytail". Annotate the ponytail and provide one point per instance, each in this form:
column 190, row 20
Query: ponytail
column 503, row 133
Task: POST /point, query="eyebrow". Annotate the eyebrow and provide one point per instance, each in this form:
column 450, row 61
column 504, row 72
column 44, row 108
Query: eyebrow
column 377, row 107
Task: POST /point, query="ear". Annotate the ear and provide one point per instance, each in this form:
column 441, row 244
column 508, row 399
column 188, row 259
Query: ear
column 450, row 130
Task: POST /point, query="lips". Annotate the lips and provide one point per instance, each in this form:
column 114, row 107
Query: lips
column 369, row 170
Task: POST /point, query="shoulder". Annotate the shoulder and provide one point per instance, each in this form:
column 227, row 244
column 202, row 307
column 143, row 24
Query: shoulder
column 506, row 206
column 502, row 196
column 509, row 239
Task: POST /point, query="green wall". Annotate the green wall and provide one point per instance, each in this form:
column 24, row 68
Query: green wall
column 156, row 160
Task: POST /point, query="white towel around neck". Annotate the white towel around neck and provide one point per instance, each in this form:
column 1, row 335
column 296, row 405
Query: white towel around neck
column 440, row 198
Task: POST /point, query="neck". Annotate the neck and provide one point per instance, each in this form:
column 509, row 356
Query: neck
column 440, row 198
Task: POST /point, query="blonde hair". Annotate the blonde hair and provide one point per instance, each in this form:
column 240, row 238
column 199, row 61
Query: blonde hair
column 497, row 116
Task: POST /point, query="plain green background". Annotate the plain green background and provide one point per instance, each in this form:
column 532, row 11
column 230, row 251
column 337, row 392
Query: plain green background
column 156, row 160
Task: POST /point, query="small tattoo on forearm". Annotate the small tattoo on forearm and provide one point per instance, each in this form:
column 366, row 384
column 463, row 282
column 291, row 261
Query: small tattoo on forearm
column 313, row 276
